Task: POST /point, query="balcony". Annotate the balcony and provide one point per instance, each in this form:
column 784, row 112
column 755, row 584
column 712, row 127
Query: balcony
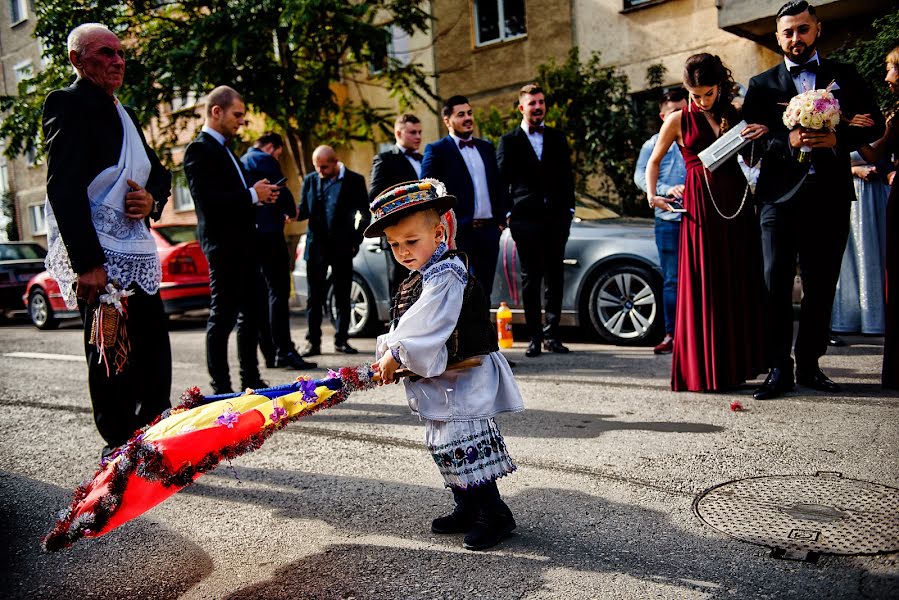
column 754, row 19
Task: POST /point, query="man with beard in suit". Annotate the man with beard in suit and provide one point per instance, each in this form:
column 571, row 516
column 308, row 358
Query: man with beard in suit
column 400, row 164
column 226, row 224
column 804, row 204
column 467, row 166
column 535, row 163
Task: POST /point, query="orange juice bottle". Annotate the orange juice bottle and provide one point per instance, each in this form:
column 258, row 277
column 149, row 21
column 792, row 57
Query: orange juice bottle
column 504, row 326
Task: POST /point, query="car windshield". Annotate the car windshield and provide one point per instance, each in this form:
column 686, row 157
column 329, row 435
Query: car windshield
column 21, row 252
column 178, row 234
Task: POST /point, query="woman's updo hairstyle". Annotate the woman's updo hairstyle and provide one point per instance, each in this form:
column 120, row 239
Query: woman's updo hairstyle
column 706, row 70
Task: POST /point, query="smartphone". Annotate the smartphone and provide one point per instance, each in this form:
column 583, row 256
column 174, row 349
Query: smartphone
column 280, row 181
column 675, row 204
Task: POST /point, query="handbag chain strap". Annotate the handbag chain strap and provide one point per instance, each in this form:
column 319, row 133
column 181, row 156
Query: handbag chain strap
column 705, row 176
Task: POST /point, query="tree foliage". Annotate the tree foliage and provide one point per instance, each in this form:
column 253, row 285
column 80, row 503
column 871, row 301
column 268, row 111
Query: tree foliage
column 284, row 56
column 867, row 53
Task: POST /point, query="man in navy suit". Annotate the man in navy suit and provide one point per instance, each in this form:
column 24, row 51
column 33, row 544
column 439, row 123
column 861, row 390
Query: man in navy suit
column 535, row 163
column 226, row 226
column 467, row 166
column 261, row 162
column 335, row 201
column 400, row 164
column 804, row 210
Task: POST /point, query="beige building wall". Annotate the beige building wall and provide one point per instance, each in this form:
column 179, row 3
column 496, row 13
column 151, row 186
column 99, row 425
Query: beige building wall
column 666, row 33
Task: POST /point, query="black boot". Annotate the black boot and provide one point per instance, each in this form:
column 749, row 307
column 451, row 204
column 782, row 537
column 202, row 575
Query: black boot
column 494, row 521
column 461, row 519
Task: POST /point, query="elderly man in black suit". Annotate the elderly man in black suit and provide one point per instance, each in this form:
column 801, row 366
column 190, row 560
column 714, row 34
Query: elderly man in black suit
column 335, row 201
column 467, row 166
column 103, row 183
column 400, row 164
column 804, row 205
column 535, row 163
column 226, row 223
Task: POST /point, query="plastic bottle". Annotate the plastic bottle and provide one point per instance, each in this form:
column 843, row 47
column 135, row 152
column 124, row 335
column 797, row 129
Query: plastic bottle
column 504, row 326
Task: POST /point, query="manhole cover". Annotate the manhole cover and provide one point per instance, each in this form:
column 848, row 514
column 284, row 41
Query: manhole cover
column 821, row 513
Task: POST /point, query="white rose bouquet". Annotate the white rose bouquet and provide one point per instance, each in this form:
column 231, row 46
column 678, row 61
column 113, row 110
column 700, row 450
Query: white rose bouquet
column 813, row 109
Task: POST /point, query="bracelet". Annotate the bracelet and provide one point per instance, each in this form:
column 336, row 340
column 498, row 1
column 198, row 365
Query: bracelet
column 395, row 353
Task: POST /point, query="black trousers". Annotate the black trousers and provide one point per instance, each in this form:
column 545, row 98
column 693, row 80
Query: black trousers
column 541, row 250
column 125, row 402
column 274, row 318
column 341, row 264
column 813, row 226
column 234, row 282
column 481, row 245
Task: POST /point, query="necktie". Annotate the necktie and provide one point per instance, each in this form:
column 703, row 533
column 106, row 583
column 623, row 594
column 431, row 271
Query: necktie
column 811, row 67
column 466, row 144
column 413, row 154
column 535, row 129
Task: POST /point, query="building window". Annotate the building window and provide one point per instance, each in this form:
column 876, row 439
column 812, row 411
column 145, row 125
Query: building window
column 498, row 20
column 24, row 70
column 18, row 12
column 4, row 170
column 638, row 3
column 181, row 193
column 398, row 49
column 38, row 219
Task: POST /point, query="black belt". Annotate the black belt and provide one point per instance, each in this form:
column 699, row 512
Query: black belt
column 478, row 223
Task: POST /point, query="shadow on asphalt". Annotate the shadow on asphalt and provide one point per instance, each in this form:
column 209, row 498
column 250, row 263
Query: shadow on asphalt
column 100, row 568
column 558, row 528
column 530, row 423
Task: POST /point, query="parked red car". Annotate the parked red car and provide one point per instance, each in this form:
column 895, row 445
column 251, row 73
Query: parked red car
column 185, row 279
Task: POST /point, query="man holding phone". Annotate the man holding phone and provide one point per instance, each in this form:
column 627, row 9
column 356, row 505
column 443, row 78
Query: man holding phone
column 261, row 162
column 672, row 174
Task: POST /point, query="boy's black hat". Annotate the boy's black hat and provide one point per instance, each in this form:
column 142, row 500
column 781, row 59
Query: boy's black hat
column 404, row 199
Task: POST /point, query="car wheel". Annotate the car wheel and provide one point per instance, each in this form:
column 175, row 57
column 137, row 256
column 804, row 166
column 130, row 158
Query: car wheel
column 40, row 311
column 363, row 312
column 626, row 305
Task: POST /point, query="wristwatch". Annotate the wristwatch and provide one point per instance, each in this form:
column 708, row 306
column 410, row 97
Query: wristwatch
column 157, row 207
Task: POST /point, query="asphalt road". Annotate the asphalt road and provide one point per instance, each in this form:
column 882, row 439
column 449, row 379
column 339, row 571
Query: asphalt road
column 339, row 505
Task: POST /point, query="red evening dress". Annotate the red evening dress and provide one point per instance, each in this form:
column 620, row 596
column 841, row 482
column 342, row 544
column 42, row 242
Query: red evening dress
column 718, row 331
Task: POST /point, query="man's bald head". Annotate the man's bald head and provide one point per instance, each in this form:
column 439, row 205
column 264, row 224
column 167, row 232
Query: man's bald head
column 324, row 159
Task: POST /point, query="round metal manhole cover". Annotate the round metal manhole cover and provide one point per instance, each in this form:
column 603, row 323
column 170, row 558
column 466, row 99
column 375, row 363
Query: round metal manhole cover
column 822, row 513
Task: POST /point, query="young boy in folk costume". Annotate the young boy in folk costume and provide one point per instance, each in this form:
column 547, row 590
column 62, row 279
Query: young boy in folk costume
column 440, row 318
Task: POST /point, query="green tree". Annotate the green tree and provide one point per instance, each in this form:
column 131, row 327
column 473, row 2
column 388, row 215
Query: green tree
column 866, row 52
column 284, row 56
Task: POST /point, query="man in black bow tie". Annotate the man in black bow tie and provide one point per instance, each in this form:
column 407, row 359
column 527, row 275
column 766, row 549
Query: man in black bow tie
column 804, row 210
column 535, row 163
column 467, row 166
column 400, row 164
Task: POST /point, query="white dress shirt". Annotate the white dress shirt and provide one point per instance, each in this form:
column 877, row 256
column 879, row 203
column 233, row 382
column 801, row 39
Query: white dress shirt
column 221, row 140
column 536, row 139
column 478, row 173
column 805, row 80
column 416, row 164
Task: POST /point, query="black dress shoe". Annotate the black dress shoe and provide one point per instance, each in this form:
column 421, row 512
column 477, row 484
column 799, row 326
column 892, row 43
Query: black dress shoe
column 311, row 349
column 271, row 363
column 555, row 346
column 817, row 380
column 836, row 341
column 259, row 384
column 294, row 361
column 778, row 383
column 225, row 389
column 345, row 349
column 533, row 349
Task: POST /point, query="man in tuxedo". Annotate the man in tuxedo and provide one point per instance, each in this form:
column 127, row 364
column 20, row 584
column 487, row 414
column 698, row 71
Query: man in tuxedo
column 804, row 205
column 400, row 164
column 226, row 223
column 261, row 162
column 467, row 166
column 335, row 201
column 535, row 164
column 95, row 237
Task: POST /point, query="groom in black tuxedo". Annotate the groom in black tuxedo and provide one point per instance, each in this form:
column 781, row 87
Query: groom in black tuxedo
column 535, row 164
column 804, row 205
column 226, row 224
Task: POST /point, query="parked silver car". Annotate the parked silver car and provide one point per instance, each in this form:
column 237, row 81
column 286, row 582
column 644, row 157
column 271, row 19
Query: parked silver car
column 613, row 282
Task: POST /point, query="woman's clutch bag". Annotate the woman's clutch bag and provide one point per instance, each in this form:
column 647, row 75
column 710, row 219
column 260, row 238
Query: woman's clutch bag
column 724, row 147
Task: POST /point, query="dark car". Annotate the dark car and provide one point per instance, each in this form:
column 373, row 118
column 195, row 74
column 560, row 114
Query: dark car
column 184, row 285
column 19, row 262
column 613, row 282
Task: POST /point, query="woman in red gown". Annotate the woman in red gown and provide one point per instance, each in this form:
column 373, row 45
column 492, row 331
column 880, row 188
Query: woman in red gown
column 718, row 336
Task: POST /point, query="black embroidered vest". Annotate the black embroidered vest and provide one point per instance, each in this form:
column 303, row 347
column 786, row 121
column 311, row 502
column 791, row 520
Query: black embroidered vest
column 474, row 334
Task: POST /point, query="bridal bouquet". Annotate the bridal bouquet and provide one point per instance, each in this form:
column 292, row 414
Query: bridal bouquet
column 813, row 109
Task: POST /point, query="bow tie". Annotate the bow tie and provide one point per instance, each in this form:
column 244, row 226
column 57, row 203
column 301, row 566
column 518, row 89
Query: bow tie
column 413, row 155
column 811, row 67
column 466, row 144
column 535, row 129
